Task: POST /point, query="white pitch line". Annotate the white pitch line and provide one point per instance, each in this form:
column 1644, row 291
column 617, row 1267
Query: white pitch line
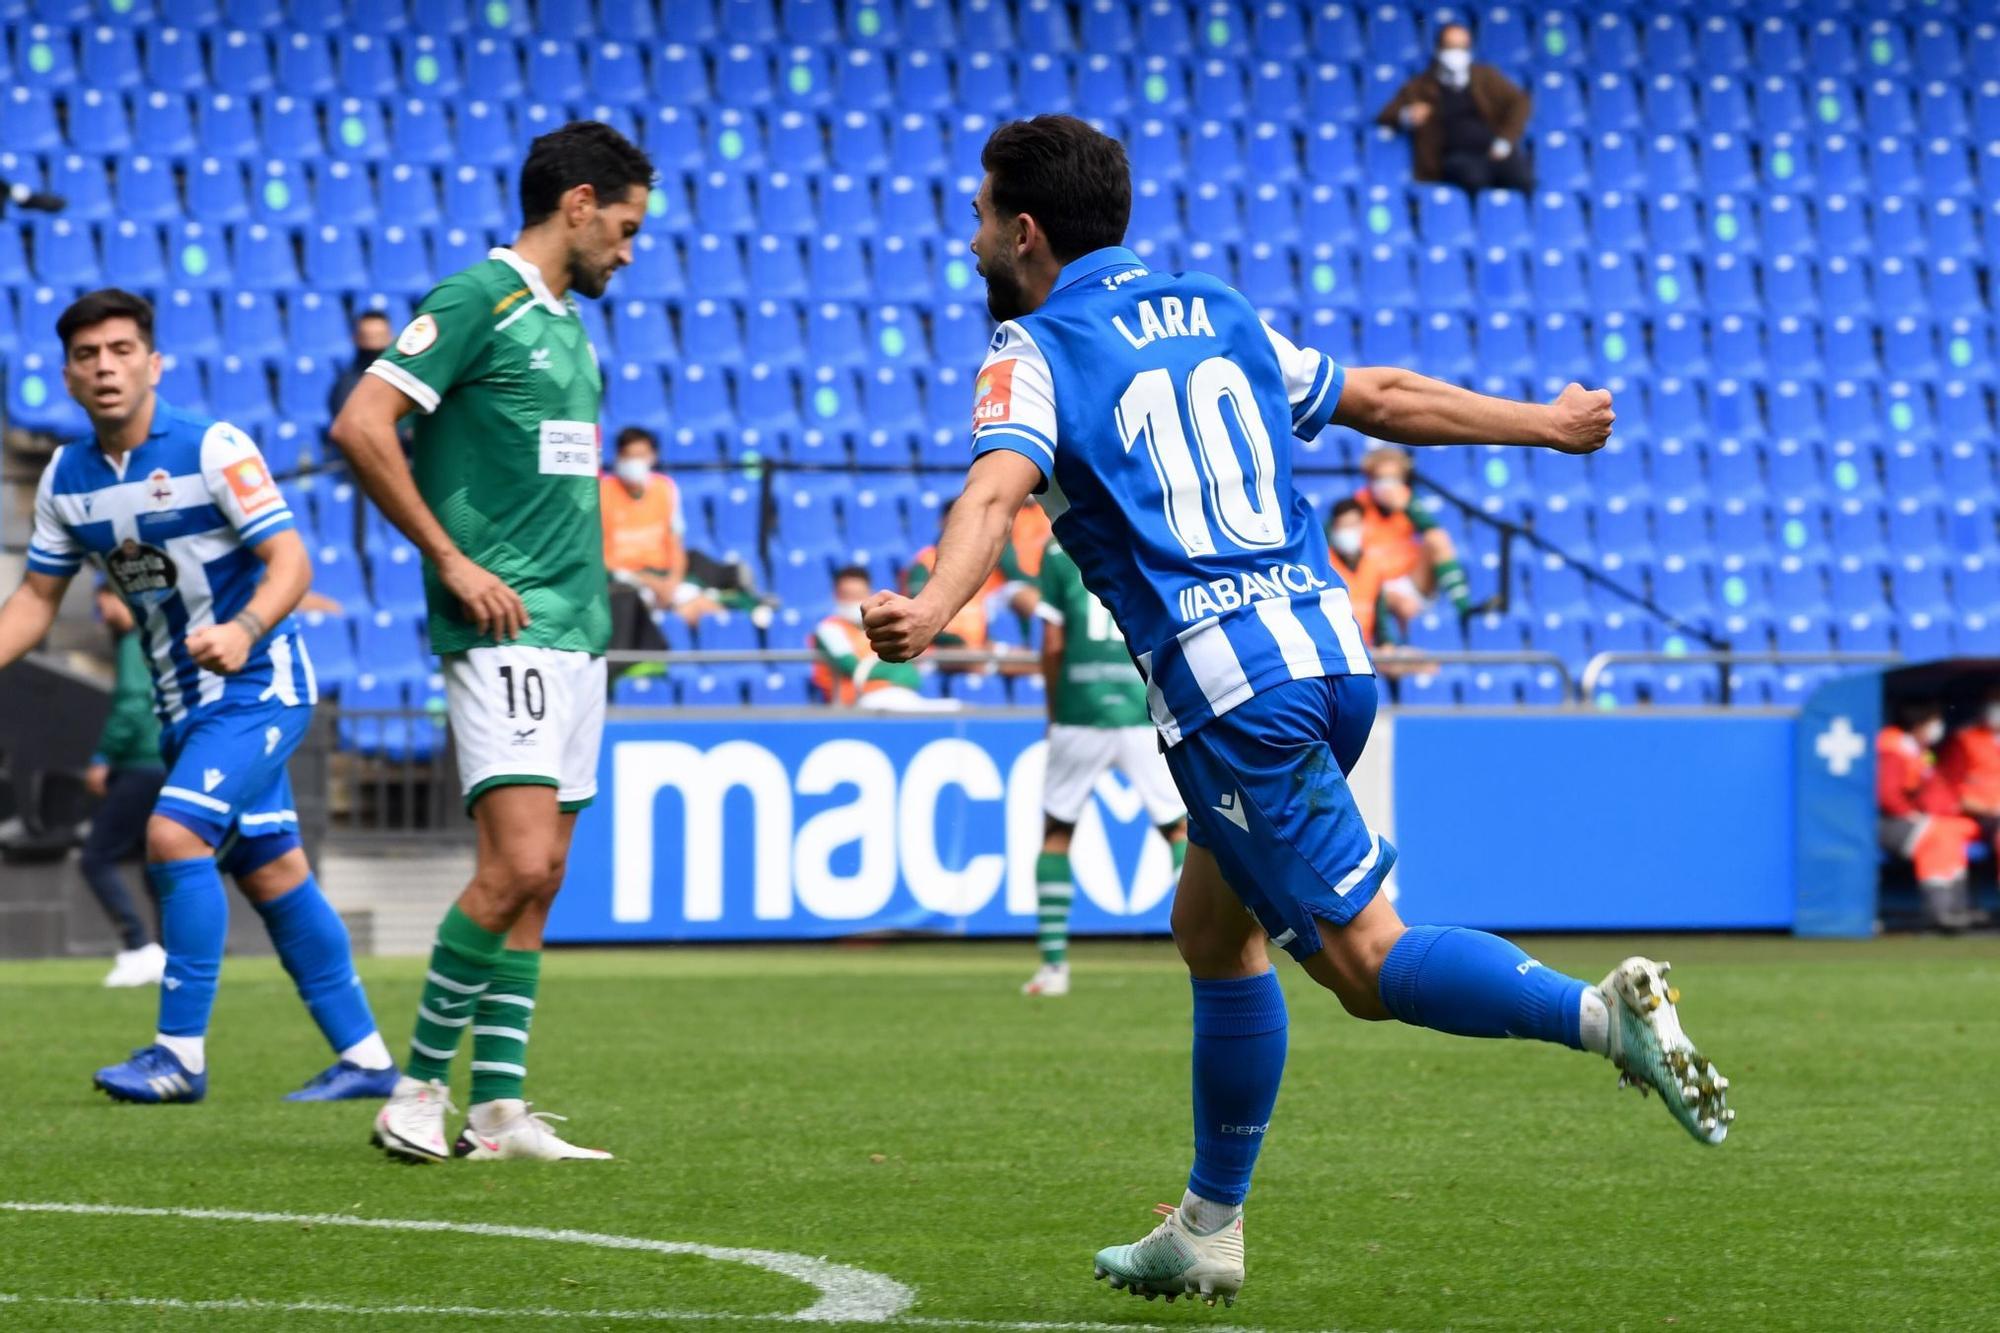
column 252, row 1305
column 846, row 1295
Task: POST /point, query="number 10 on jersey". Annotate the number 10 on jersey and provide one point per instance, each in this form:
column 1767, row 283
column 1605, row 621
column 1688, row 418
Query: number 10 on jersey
column 1214, row 485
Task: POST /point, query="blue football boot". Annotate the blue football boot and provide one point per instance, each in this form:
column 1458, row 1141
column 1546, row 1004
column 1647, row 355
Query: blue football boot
column 153, row 1074
column 347, row 1082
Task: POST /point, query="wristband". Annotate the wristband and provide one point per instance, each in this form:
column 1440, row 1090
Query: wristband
column 247, row 621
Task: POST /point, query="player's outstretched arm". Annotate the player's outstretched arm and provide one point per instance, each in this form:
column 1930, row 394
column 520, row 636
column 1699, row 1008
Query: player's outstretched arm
column 365, row 431
column 287, row 575
column 27, row 615
column 981, row 519
column 1407, row 408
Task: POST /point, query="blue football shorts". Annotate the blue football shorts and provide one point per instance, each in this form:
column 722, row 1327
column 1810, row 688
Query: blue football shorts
column 226, row 770
column 1267, row 795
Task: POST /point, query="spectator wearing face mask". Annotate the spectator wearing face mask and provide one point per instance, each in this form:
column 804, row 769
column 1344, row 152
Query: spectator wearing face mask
column 1415, row 557
column 1465, row 120
column 1921, row 818
column 645, row 552
column 1346, row 535
column 848, row 672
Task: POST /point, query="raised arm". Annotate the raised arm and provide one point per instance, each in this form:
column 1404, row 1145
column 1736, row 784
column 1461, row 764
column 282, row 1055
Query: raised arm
column 1408, row 408
column 365, row 432
column 27, row 615
column 982, row 518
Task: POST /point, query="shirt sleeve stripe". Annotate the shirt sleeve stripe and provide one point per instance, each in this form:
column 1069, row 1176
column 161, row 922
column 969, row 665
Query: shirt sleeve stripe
column 418, row 392
column 44, row 563
column 269, row 523
column 1304, row 408
column 1028, row 433
column 1325, row 402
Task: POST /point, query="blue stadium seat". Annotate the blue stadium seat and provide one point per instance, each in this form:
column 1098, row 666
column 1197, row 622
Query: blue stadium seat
column 430, row 65
column 305, row 64
column 329, row 641
column 173, row 60
column 389, row 647
column 240, row 63
column 110, row 59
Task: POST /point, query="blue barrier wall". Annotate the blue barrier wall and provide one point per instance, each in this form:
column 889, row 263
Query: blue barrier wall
column 1595, row 822
column 731, row 828
column 735, row 828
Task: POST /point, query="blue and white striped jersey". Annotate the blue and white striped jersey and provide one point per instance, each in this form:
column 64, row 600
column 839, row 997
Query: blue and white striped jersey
column 1160, row 409
column 172, row 525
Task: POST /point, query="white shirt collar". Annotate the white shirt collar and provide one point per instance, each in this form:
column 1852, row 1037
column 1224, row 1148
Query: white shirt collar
column 530, row 275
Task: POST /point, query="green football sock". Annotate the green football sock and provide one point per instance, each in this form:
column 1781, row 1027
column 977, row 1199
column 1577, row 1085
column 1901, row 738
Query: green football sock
column 1180, row 850
column 500, row 1028
column 1452, row 583
column 462, row 963
column 1052, row 899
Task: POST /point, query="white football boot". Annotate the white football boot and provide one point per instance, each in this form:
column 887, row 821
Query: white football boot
column 410, row 1124
column 1049, row 979
column 513, row 1131
column 1176, row 1260
column 1652, row 1053
column 143, row 966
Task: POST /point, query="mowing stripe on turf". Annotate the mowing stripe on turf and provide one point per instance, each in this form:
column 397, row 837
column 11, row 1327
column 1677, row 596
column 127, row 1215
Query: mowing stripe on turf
column 249, row 1304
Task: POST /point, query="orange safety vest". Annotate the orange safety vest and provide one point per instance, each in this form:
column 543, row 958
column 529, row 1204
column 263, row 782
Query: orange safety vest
column 1970, row 763
column 1364, row 588
column 1390, row 539
column 639, row 533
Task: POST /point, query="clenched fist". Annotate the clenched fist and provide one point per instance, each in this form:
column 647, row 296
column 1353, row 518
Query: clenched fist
column 1581, row 420
column 899, row 628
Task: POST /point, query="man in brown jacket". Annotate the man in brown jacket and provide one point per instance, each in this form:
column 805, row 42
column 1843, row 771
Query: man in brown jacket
column 1465, row 120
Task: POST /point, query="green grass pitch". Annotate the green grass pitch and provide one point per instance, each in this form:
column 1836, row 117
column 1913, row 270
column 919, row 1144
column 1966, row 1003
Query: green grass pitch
column 902, row 1110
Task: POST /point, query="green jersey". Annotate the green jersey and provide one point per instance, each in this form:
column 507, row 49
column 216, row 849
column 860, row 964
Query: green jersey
column 1099, row 685
column 507, row 452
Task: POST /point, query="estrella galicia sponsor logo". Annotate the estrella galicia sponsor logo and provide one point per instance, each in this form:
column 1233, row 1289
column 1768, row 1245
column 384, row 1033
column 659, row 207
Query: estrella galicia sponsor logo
column 142, row 573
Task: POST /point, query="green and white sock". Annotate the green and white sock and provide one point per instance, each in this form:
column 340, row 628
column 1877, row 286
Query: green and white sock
column 500, row 1027
column 462, row 963
column 1452, row 584
column 1053, row 892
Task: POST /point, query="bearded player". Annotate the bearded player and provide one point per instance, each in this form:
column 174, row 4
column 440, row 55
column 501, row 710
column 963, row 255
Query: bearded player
column 1152, row 414
column 503, row 504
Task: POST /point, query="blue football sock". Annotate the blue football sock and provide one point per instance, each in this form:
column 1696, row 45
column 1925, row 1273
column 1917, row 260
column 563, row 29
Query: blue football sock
column 194, row 921
column 1239, row 1060
column 1472, row 984
column 313, row 946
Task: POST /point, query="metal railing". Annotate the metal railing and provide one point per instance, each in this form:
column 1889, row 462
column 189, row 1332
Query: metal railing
column 1594, row 669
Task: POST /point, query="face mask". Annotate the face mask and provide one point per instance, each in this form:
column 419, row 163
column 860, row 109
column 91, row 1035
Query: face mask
column 848, row 611
column 1455, row 60
column 1930, row 733
column 1347, row 542
column 1388, row 494
column 634, row 471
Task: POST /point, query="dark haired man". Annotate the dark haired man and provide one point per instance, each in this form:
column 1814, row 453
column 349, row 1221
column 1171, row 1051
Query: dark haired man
column 1152, row 412
column 372, row 332
column 504, row 506
column 181, row 515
